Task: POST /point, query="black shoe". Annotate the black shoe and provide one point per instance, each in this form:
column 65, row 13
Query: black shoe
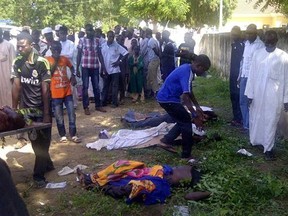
column 40, row 184
column 269, row 156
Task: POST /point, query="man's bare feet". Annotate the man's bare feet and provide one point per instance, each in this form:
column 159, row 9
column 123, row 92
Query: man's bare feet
column 195, row 196
column 81, row 177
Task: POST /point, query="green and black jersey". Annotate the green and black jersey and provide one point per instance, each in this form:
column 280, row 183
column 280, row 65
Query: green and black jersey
column 31, row 75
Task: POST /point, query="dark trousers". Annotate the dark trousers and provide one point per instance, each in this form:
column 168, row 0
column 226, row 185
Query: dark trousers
column 93, row 73
column 113, row 80
column 40, row 141
column 183, row 126
column 234, row 97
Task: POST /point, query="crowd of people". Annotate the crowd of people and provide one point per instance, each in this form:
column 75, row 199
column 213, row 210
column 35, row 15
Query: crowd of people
column 258, row 86
column 52, row 73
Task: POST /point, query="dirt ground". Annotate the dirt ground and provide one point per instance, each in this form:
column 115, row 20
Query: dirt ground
column 21, row 161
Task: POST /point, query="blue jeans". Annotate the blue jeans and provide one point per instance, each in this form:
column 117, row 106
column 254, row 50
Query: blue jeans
column 93, row 73
column 244, row 103
column 113, row 80
column 58, row 113
column 183, row 125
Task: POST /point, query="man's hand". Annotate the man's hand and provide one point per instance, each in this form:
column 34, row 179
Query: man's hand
column 104, row 73
column 116, row 64
column 47, row 118
column 73, row 80
column 201, row 114
column 286, row 107
column 238, row 82
column 250, row 102
column 198, row 122
column 78, row 72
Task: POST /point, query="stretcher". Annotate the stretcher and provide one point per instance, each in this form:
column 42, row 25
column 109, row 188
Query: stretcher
column 33, row 127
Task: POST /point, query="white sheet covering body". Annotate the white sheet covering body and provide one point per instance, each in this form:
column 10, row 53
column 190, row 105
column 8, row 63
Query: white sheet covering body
column 128, row 138
column 267, row 85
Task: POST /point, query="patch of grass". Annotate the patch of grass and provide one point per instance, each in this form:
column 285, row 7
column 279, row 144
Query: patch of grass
column 240, row 185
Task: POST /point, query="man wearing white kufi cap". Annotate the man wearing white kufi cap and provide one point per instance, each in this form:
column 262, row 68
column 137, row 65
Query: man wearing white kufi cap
column 48, row 35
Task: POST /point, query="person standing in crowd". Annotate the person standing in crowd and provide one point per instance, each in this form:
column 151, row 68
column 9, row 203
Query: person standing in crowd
column 113, row 55
column 61, row 92
column 6, row 36
column 154, row 63
column 267, row 92
column 48, row 35
column 31, row 81
column 186, row 49
column 38, row 44
column 88, row 51
column 179, row 84
column 252, row 44
column 167, row 55
column 7, row 54
column 117, row 30
column 124, row 71
column 128, row 39
column 144, row 53
column 57, row 28
column 136, row 66
column 237, row 49
column 68, row 48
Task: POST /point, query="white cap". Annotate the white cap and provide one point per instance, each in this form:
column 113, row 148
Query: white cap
column 46, row 30
column 57, row 27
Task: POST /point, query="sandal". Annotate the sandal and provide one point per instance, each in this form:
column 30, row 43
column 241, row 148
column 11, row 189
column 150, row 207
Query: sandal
column 76, row 139
column 63, row 139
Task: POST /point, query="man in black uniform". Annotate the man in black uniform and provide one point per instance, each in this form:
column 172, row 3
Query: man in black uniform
column 31, row 85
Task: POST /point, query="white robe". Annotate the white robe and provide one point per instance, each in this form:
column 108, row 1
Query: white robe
column 7, row 55
column 267, row 85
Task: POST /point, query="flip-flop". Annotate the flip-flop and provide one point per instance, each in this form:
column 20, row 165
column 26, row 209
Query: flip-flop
column 167, row 148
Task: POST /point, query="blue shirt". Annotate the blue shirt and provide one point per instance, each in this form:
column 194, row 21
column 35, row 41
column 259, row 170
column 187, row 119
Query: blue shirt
column 176, row 84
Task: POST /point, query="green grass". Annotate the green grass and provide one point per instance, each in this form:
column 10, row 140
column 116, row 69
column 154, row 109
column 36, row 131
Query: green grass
column 239, row 185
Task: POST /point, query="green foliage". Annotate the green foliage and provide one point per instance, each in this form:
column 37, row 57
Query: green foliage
column 197, row 15
column 76, row 13
column 155, row 10
column 279, row 5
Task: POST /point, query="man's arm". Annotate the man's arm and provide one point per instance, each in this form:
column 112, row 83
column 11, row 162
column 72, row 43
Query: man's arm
column 103, row 72
column 73, row 80
column 16, row 87
column 79, row 56
column 188, row 102
column 46, row 101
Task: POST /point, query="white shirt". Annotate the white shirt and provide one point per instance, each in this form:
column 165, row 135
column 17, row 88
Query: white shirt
column 68, row 48
column 111, row 54
column 152, row 43
column 249, row 51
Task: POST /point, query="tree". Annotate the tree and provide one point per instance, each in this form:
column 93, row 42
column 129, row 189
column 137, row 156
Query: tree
column 192, row 13
column 279, row 5
column 76, row 13
column 207, row 12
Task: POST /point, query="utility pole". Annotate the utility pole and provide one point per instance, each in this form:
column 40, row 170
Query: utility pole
column 220, row 15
